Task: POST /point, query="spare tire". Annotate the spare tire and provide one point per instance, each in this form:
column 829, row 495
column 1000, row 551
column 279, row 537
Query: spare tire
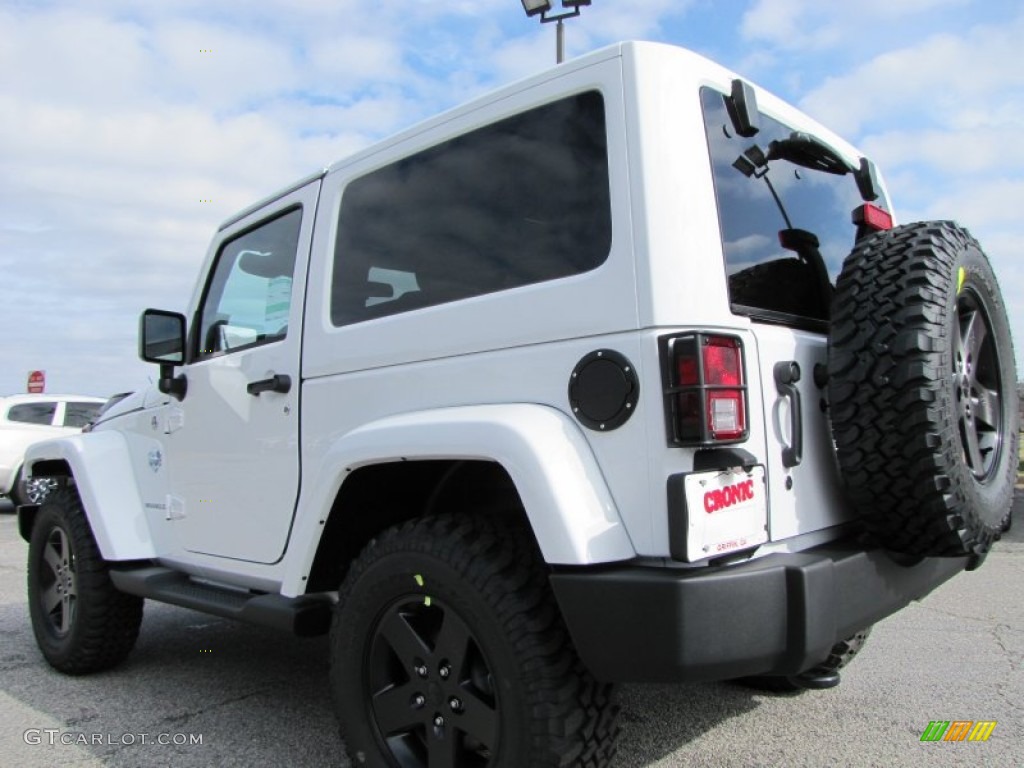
column 922, row 390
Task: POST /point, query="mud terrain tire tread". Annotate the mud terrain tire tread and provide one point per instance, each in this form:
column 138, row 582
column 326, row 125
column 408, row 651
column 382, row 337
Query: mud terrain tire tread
column 106, row 622
column 892, row 399
column 571, row 718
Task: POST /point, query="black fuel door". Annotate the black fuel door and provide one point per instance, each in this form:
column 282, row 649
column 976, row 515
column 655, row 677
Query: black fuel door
column 603, row 390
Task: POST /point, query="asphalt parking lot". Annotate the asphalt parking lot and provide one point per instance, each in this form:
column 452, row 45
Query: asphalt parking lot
column 256, row 697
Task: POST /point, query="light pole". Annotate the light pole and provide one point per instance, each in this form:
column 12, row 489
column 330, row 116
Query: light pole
column 543, row 7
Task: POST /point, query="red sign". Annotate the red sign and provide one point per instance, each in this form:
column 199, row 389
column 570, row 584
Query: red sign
column 36, row 382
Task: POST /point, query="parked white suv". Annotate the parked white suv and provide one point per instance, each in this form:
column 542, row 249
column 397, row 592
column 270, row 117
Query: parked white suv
column 621, row 373
column 27, row 419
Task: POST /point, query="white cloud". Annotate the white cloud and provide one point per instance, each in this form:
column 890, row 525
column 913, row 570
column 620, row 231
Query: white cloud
column 985, row 205
column 625, row 21
column 348, row 62
column 934, row 81
column 84, row 58
column 985, row 148
column 217, row 67
column 811, row 24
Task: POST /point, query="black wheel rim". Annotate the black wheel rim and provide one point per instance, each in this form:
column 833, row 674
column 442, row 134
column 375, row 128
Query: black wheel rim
column 978, row 386
column 58, row 583
column 430, row 689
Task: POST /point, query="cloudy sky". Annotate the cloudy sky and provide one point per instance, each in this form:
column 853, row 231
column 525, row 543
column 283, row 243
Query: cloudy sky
column 129, row 130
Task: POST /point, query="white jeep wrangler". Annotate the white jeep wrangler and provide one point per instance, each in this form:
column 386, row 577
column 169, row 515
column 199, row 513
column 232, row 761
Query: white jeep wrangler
column 620, row 373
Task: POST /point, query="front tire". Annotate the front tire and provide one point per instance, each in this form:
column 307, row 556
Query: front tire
column 81, row 622
column 447, row 649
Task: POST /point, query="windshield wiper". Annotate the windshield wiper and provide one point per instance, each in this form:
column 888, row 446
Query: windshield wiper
column 809, row 151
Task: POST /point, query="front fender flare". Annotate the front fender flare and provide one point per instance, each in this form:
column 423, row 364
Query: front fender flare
column 102, row 470
column 567, row 501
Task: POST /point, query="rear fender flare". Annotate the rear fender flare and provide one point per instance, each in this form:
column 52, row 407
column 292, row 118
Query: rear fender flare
column 566, row 499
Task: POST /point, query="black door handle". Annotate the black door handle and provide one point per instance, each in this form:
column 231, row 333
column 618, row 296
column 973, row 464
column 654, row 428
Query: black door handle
column 787, row 374
column 279, row 382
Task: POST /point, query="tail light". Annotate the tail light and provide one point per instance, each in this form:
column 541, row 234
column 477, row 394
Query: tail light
column 705, row 389
column 870, row 218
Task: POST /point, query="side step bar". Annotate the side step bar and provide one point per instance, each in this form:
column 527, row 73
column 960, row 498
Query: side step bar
column 305, row 616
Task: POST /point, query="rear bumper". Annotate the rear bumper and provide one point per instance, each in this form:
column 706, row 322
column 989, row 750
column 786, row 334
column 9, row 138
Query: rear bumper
column 778, row 615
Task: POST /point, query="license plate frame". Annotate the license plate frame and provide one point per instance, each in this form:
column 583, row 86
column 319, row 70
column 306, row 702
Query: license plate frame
column 726, row 511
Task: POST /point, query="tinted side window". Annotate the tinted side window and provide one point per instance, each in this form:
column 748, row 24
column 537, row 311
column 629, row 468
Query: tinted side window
column 32, row 413
column 762, row 274
column 249, row 295
column 80, row 414
column 520, row 201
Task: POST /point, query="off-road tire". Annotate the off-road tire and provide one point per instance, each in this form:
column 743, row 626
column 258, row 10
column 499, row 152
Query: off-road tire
column 922, row 404
column 459, row 607
column 842, row 653
column 81, row 622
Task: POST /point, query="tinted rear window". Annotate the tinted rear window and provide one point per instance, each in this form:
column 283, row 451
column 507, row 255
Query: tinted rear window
column 517, row 202
column 763, row 276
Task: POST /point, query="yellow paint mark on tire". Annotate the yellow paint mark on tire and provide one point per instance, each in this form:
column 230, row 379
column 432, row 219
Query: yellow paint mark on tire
column 426, row 600
column 960, row 280
column 419, row 579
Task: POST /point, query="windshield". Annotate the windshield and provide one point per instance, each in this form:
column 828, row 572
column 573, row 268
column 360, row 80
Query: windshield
column 786, row 227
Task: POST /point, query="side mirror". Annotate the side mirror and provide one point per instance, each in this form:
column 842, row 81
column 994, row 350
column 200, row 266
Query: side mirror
column 162, row 337
column 162, row 341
